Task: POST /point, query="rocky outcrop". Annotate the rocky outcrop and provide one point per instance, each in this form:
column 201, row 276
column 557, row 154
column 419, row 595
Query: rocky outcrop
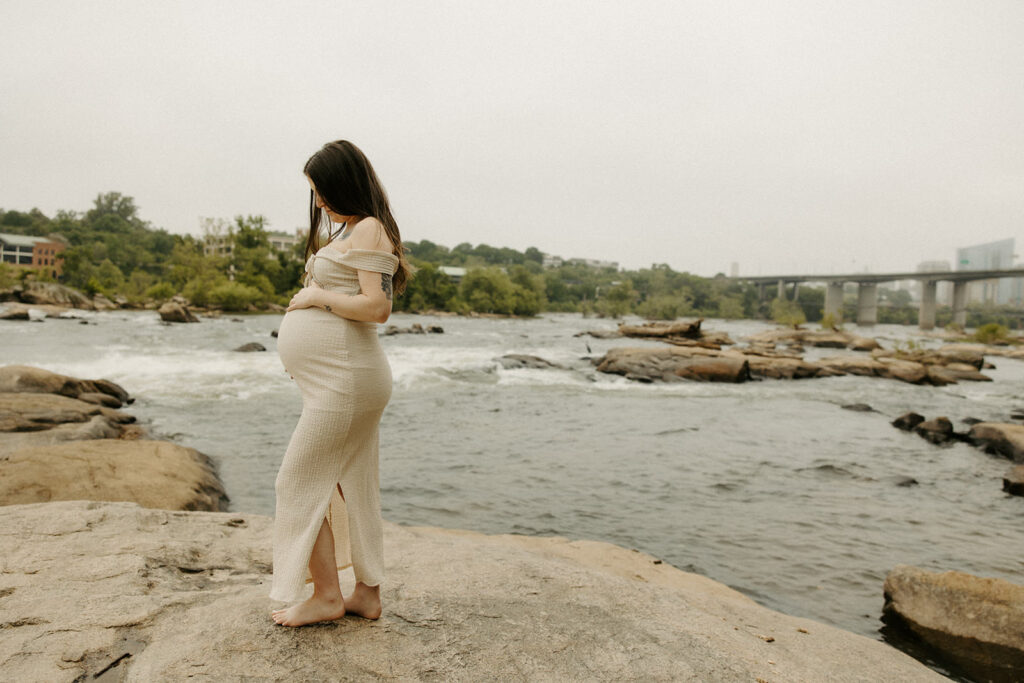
column 908, row 421
column 999, row 438
column 415, row 328
column 176, row 312
column 674, row 363
column 153, row 595
column 251, row 347
column 936, row 431
column 517, row 361
column 831, row 339
column 1013, row 481
column 976, row 622
column 963, row 359
column 155, row 474
column 29, row 379
column 659, row 364
column 35, row 292
column 55, row 447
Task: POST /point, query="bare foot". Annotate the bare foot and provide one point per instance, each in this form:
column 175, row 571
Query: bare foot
column 364, row 601
column 311, row 611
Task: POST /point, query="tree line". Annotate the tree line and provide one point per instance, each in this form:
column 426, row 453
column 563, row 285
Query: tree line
column 113, row 251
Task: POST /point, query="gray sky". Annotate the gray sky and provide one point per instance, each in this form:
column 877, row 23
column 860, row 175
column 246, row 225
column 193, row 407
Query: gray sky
column 805, row 136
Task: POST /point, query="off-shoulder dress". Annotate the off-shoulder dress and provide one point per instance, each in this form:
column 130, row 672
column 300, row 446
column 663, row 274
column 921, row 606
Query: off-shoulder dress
column 345, row 381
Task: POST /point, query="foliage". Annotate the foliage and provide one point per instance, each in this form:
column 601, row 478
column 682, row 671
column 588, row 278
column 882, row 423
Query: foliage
column 789, row 313
column 235, row 296
column 992, row 333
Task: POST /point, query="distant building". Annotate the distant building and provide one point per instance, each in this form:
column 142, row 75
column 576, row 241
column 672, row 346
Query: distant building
column 454, row 273
column 551, row 261
column 593, row 263
column 23, row 251
column 218, row 245
column 989, row 256
column 285, row 243
column 734, row 269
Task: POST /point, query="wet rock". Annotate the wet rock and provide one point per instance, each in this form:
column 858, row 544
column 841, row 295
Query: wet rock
column 977, row 622
column 937, row 431
column 415, row 328
column 1013, row 480
column 908, row 421
column 863, row 344
column 102, row 303
column 175, row 312
column 515, row 361
column 999, row 438
column 173, row 596
column 52, row 293
column 100, row 399
column 435, row 329
column 28, row 379
column 273, row 333
column 35, row 312
column 600, row 334
column 674, row 362
column 859, row 408
column 250, row 347
column 907, row 482
column 971, row 421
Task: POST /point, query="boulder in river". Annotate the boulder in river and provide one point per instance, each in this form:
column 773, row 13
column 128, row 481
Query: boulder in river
column 516, row 361
column 29, row 379
column 175, row 312
column 999, row 438
column 1013, row 480
column 156, row 474
column 250, row 347
column 908, row 421
column 937, row 431
column 154, row 595
column 52, row 293
column 977, row 622
column 673, row 363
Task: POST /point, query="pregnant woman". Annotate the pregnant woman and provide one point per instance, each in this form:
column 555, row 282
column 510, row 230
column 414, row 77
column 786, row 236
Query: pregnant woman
column 328, row 488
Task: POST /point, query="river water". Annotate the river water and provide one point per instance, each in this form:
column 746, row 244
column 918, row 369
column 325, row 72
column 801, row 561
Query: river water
column 770, row 487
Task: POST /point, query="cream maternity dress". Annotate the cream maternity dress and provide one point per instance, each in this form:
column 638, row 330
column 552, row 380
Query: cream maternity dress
column 345, row 382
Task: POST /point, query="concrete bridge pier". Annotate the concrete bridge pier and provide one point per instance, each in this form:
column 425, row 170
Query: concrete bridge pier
column 867, row 303
column 796, row 291
column 782, row 290
column 960, row 304
column 926, row 314
column 834, row 300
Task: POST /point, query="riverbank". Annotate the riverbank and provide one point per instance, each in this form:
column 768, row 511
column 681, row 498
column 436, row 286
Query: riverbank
column 94, row 588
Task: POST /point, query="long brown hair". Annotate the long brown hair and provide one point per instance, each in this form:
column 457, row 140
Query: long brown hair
column 348, row 185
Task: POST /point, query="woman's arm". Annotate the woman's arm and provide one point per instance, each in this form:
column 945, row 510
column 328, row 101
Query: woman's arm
column 373, row 303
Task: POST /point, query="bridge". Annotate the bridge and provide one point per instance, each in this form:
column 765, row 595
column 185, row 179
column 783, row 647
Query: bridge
column 867, row 290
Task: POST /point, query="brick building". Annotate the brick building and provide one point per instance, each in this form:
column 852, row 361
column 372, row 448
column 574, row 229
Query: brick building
column 38, row 253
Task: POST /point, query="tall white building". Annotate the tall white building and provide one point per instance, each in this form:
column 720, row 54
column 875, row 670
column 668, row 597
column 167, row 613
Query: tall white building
column 989, row 256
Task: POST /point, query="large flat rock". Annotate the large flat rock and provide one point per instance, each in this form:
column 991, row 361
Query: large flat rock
column 154, row 595
column 155, row 474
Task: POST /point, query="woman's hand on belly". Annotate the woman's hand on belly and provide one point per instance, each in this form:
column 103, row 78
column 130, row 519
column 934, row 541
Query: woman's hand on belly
column 307, row 297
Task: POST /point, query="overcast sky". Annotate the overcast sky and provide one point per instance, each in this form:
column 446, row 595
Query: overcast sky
column 804, row 136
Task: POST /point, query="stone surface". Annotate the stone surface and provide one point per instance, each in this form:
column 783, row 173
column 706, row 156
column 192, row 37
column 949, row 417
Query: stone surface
column 155, row 474
column 251, row 347
column 175, row 312
column 51, row 293
column 514, row 361
column 937, row 431
column 29, row 412
column 977, row 622
column 1013, row 480
column 999, row 438
column 28, row 379
column 908, row 421
column 674, row 362
column 153, row 595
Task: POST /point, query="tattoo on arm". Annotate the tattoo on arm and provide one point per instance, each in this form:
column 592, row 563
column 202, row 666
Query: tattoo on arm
column 385, row 285
column 327, row 308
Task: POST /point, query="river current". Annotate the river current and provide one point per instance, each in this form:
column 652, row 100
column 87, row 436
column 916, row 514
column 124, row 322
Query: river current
column 770, row 487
